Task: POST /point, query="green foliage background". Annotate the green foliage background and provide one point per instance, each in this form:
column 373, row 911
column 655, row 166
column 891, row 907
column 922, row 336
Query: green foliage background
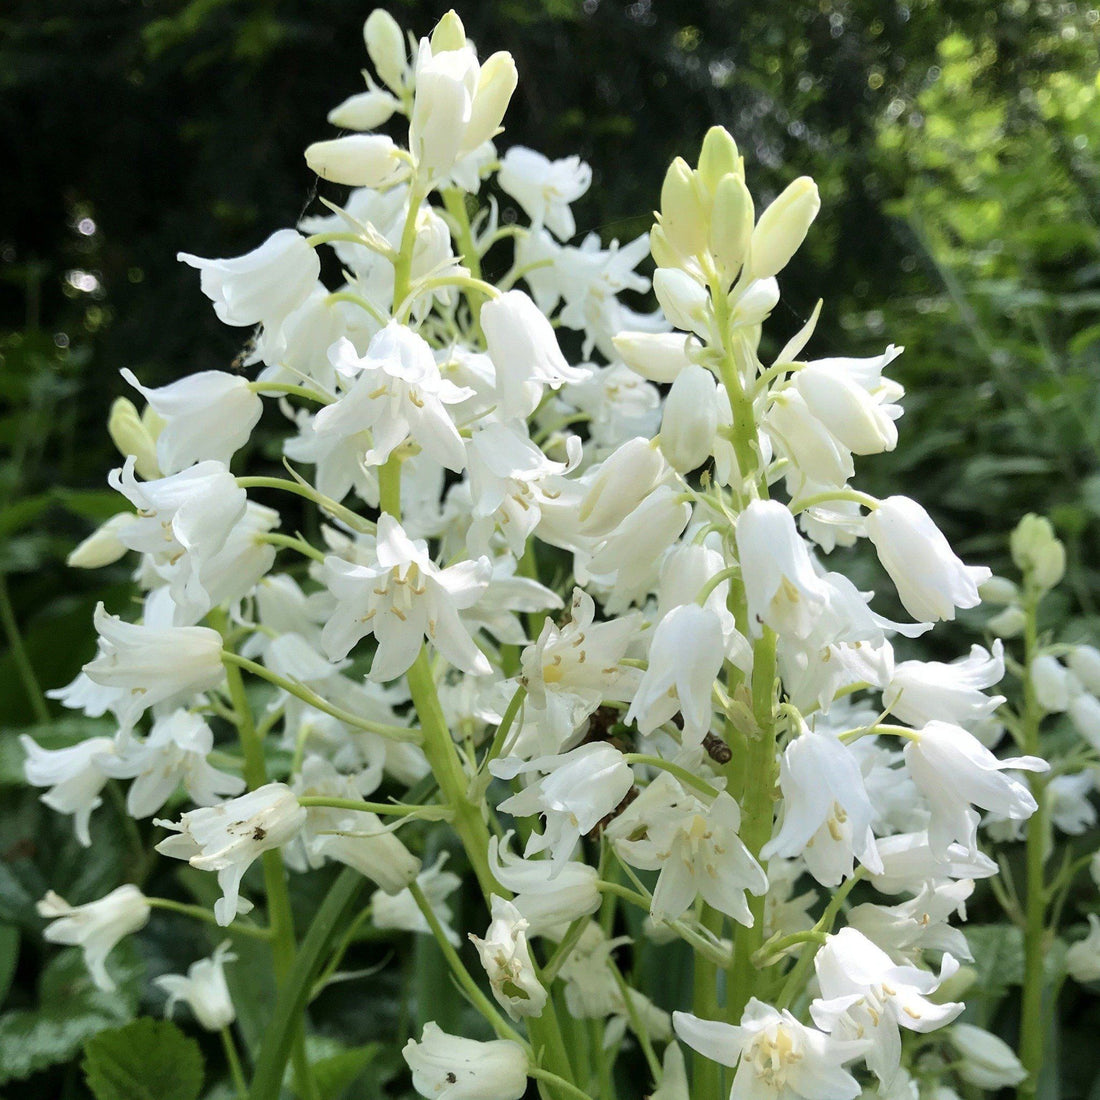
column 957, row 148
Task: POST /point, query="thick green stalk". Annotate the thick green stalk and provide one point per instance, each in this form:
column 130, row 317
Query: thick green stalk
column 1032, row 1022
column 280, row 918
column 757, row 810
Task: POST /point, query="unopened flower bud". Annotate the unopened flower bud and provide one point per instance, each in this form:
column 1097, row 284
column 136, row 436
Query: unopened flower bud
column 495, row 85
column 360, row 160
column 625, row 479
column 782, row 227
column 718, row 158
column 1084, row 713
column 130, row 435
column 102, row 546
column 1009, row 623
column 449, row 34
column 684, row 301
column 1083, row 958
column 1037, row 552
column 999, row 590
column 365, row 111
column 731, row 223
column 683, row 217
column 386, row 48
column 690, row 419
column 664, row 254
column 1051, row 681
column 204, row 989
column 658, row 356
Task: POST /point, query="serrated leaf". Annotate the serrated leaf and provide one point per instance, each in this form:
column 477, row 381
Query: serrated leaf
column 145, row 1060
column 998, row 951
column 71, row 1011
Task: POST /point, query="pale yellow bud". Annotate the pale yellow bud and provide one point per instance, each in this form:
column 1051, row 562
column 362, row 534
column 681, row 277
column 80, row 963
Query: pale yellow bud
column 731, row 223
column 683, row 215
column 1037, row 551
column 449, row 34
column 132, row 437
column 664, row 254
column 718, row 158
column 102, row 546
column 495, row 85
column 782, row 228
column 360, row 160
column 386, row 48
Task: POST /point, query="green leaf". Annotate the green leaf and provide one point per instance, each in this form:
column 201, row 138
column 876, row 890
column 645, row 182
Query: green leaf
column 145, row 1060
column 71, row 1011
column 998, row 951
column 336, row 1067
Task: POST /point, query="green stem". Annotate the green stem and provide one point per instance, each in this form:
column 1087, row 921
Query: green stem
column 1032, row 1022
column 307, row 695
column 197, row 911
column 326, row 504
column 233, row 1058
column 266, row 388
column 23, row 666
column 403, row 264
column 689, row 779
column 292, row 542
column 559, row 1083
column 496, row 746
column 393, row 809
column 280, row 918
column 455, row 202
column 461, row 974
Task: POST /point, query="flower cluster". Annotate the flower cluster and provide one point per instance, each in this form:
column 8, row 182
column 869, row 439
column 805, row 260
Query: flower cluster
column 574, row 579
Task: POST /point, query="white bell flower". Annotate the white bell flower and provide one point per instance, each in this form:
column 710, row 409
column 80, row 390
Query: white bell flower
column 907, row 930
column 570, row 670
column 507, row 961
column 544, row 188
column 690, row 419
column 777, row 1058
column 525, row 353
column 447, row 1067
column 923, row 691
column 509, row 479
column 985, row 1061
column 262, row 286
column 209, row 415
column 548, row 897
column 866, row 995
column 783, row 588
column 1069, row 802
column 827, row 815
column 619, row 404
column 908, row 862
column 815, row 453
column 1084, row 662
column 685, row 301
column 695, row 846
column 227, row 838
column 182, row 521
column 402, row 600
column 75, row 776
column 397, row 392
column 95, row 927
column 204, row 989
column 860, row 420
column 173, row 755
column 153, row 664
column 931, row 581
column 686, row 654
column 953, row 770
column 578, row 790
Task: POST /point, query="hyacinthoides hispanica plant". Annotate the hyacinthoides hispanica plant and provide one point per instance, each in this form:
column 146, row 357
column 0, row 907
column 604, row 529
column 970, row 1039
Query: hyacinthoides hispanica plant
column 572, row 619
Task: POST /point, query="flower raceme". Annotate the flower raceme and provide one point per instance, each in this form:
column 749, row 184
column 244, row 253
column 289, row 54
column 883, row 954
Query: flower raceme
column 582, row 601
